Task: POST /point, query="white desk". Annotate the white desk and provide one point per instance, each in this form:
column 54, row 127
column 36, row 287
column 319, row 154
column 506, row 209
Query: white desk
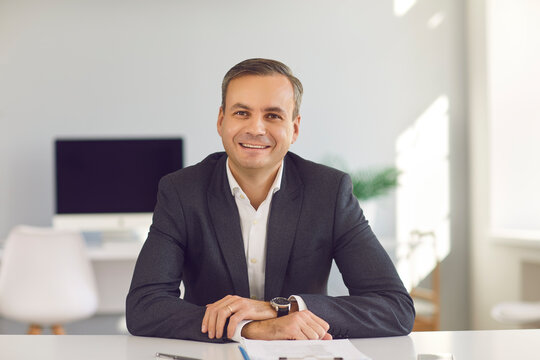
column 465, row 345
column 113, row 264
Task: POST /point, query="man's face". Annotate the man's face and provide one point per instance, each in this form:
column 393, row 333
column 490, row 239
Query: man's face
column 256, row 126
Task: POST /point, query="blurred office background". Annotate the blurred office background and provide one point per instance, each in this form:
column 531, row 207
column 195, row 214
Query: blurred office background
column 447, row 90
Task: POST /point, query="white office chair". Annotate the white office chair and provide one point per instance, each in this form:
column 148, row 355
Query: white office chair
column 517, row 313
column 46, row 278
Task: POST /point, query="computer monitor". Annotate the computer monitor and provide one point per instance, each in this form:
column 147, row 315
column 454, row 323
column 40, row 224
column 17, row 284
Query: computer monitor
column 111, row 184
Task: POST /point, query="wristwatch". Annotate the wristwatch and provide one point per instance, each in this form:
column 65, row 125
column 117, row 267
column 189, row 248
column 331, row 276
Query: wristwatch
column 281, row 305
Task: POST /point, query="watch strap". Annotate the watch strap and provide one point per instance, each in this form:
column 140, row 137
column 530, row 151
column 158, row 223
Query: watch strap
column 282, row 311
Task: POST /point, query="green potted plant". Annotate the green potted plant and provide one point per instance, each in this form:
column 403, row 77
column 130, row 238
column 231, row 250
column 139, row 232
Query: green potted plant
column 369, row 184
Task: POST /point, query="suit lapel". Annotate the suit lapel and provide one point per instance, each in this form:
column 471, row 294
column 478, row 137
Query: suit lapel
column 226, row 222
column 281, row 230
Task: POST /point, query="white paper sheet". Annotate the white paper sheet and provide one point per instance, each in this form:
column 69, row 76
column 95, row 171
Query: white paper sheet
column 302, row 349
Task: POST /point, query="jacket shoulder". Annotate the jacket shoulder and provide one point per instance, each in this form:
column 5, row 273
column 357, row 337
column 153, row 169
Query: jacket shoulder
column 311, row 171
column 198, row 174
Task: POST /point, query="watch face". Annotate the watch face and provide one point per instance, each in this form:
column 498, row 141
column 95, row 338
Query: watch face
column 281, row 301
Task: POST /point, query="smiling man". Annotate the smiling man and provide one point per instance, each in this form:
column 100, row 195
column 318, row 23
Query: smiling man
column 252, row 233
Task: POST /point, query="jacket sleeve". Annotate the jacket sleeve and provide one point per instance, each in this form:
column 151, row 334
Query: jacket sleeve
column 378, row 304
column 153, row 305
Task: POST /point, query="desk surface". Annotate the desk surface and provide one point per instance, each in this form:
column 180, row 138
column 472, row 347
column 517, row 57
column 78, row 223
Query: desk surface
column 465, row 345
column 109, row 251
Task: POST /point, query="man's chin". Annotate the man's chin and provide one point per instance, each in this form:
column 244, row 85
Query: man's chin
column 253, row 164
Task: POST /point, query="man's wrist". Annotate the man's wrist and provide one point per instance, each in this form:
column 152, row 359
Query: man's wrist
column 294, row 304
column 300, row 302
column 239, row 329
column 250, row 329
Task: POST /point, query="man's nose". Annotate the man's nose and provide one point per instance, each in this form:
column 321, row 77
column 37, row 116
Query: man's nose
column 256, row 125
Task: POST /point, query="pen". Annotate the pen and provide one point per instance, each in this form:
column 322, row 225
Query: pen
column 174, row 357
column 244, row 353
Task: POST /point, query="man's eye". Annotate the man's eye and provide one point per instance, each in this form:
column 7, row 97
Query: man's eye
column 274, row 116
column 241, row 113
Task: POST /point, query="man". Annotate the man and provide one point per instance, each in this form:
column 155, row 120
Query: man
column 252, row 233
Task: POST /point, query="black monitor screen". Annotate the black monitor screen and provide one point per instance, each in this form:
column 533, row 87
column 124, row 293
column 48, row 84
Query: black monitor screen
column 112, row 176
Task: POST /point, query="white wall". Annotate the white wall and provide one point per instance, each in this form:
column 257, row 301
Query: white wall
column 503, row 57
column 143, row 68
column 514, row 105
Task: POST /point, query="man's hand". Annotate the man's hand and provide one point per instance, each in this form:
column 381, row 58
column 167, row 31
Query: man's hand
column 236, row 309
column 302, row 325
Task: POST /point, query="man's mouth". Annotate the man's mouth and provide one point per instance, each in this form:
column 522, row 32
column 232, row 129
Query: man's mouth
column 253, row 146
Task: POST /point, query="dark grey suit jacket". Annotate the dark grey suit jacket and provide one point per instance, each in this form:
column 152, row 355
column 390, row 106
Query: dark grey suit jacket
column 314, row 218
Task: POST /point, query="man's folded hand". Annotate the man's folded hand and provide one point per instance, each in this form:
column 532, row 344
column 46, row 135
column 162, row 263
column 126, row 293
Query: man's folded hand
column 236, row 309
column 302, row 325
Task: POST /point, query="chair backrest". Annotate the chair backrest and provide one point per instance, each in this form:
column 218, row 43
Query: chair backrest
column 427, row 300
column 46, row 277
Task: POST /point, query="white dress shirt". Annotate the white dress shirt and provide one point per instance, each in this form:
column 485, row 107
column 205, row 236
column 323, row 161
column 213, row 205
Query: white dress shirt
column 254, row 224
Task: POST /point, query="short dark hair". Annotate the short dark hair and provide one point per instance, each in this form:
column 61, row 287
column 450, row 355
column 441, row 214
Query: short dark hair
column 263, row 67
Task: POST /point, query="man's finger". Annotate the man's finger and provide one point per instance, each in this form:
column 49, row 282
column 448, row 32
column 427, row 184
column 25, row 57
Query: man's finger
column 312, row 329
column 327, row 336
column 204, row 325
column 211, row 315
column 316, row 323
column 222, row 315
column 300, row 336
column 234, row 320
column 321, row 322
column 223, row 309
column 209, row 309
column 310, row 333
column 211, row 321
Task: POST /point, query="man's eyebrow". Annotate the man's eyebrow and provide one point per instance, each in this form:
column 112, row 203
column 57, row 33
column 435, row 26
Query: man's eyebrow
column 240, row 106
column 275, row 109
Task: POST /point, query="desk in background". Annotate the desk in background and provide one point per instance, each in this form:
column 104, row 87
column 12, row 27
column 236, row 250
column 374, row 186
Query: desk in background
column 113, row 263
column 465, row 345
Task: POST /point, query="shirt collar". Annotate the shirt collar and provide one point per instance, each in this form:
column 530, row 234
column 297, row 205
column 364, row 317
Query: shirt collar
column 236, row 188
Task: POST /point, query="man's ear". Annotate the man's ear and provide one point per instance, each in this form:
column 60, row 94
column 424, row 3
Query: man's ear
column 220, row 120
column 296, row 128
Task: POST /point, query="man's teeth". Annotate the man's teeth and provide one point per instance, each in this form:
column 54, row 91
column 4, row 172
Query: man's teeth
column 254, row 146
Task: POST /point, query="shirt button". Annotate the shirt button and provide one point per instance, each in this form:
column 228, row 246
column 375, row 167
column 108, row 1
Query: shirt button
column 253, row 297
column 242, row 197
column 253, row 260
column 254, row 222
